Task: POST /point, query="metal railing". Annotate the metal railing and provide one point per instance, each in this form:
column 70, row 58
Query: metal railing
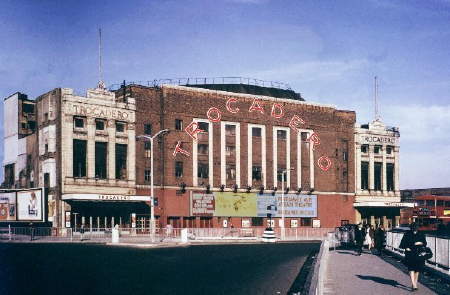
column 161, row 234
column 206, row 81
column 439, row 246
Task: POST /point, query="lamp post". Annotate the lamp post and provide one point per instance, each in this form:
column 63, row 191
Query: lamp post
column 152, row 189
column 283, row 232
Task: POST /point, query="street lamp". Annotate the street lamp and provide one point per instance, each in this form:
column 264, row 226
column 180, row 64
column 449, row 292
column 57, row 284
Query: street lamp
column 283, row 231
column 152, row 189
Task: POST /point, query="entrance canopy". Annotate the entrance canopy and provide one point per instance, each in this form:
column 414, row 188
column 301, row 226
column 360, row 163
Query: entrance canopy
column 105, row 197
column 384, row 204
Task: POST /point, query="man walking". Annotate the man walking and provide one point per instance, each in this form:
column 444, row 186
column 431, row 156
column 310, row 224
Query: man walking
column 359, row 238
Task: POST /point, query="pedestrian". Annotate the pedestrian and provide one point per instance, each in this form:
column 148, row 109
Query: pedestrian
column 412, row 241
column 368, row 238
column 359, row 238
column 380, row 239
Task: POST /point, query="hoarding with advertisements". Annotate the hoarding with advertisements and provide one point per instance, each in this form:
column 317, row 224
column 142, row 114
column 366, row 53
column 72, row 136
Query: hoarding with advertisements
column 235, row 204
column 203, row 204
column 294, row 205
column 30, row 206
column 7, row 206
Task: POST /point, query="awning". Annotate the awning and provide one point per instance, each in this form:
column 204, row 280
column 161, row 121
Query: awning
column 384, row 204
column 102, row 197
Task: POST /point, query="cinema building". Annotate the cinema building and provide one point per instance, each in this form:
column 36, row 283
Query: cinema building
column 233, row 154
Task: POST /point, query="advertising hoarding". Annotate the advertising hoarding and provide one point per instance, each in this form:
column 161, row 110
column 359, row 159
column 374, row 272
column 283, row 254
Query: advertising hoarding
column 203, row 204
column 30, row 206
column 294, row 205
column 7, row 206
column 235, row 204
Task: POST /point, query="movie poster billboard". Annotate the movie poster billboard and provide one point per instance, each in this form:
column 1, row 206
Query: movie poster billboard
column 294, row 205
column 30, row 205
column 235, row 204
column 203, row 204
column 7, row 206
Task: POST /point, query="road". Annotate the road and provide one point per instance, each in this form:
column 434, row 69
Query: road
column 45, row 268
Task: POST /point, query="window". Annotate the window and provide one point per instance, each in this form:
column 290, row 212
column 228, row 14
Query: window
column 257, row 221
column 388, row 150
column 79, row 158
column 440, row 203
column 46, row 148
column 231, row 172
column 99, row 124
column 203, row 125
column 344, row 222
column 230, row 130
column 31, row 125
column 256, row 172
column 281, row 134
column 147, row 149
column 256, row 132
column 178, row 124
column 377, row 149
column 121, row 161
column 377, row 175
column 202, row 171
column 24, row 125
column 28, row 108
column 429, row 203
column 280, row 174
column 364, row 148
column 178, row 169
column 304, row 136
column 148, row 129
column 345, row 156
column 46, row 117
column 230, row 150
column 120, row 126
column 390, row 176
column 203, row 149
column 364, row 175
column 78, row 122
column 305, row 221
column 101, row 152
column 147, row 175
column 447, row 203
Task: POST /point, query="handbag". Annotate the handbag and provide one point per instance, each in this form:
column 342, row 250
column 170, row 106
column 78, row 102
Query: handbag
column 425, row 253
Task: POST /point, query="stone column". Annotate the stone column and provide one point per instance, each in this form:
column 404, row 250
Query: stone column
column 396, row 171
column 131, row 153
column 357, row 216
column 111, row 150
column 358, row 168
column 371, row 169
column 91, row 148
column 372, row 220
column 383, row 171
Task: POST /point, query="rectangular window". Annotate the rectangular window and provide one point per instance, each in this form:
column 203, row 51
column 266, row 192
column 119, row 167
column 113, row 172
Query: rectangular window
column 439, row 203
column 429, row 203
column 388, row 150
column 178, row 169
column 257, row 221
column 304, row 136
column 28, row 108
column 230, row 150
column 120, row 126
column 99, row 124
column 121, row 161
column 203, row 126
column 281, row 134
column 202, row 171
column 203, row 149
column 377, row 149
column 377, row 175
column 345, row 156
column 364, row 148
column 390, row 176
column 178, row 124
column 256, row 172
column 101, row 152
column 447, row 203
column 364, row 175
column 148, row 129
column 256, row 132
column 231, row 172
column 147, row 175
column 79, row 158
column 230, row 130
column 78, row 122
column 280, row 174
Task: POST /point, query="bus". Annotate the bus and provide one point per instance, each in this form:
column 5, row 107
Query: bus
column 432, row 212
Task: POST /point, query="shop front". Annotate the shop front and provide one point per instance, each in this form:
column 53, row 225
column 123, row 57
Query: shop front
column 97, row 211
column 380, row 213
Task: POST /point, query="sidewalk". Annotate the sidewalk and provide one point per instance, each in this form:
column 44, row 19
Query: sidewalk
column 365, row 274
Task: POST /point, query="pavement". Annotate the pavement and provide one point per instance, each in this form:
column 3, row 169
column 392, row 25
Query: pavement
column 348, row 273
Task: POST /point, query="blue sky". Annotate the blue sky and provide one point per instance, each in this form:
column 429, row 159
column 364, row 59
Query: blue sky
column 327, row 50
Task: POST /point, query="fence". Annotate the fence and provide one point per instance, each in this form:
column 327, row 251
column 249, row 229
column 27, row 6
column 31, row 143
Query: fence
column 161, row 234
column 440, row 247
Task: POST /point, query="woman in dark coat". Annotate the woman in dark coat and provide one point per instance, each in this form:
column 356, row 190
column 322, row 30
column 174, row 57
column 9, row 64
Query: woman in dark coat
column 413, row 240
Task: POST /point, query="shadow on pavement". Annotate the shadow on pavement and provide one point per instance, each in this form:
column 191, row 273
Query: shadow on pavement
column 383, row 281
